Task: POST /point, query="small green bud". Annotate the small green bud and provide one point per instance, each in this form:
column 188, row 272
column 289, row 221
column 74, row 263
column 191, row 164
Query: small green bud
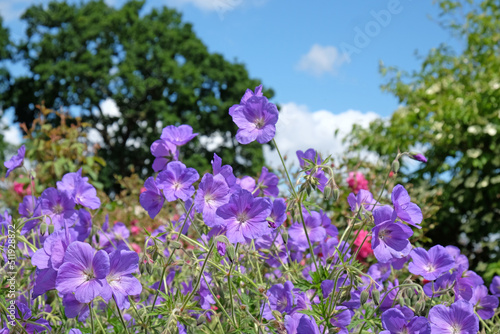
column 327, row 191
column 149, row 268
column 364, row 296
column 284, row 236
column 401, row 301
column 277, row 315
column 376, row 296
column 395, row 166
column 230, row 251
column 336, row 194
column 43, row 228
column 51, row 229
column 175, row 244
column 201, row 320
column 419, row 307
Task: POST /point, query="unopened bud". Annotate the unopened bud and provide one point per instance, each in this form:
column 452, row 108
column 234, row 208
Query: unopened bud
column 376, row 296
column 401, row 302
column 364, row 296
column 201, row 320
column 277, row 315
column 395, row 166
column 327, row 191
column 43, row 228
column 336, row 194
column 51, row 229
column 175, row 244
column 230, row 251
column 284, row 236
column 418, row 156
column 419, row 307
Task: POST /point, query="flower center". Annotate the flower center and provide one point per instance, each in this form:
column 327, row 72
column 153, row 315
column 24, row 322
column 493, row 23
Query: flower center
column 456, row 328
column 242, row 217
column 259, row 123
column 209, row 198
column 58, row 208
column 430, row 267
column 90, row 274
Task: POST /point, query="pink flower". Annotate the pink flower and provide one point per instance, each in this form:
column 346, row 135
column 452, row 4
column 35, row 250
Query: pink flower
column 366, row 248
column 135, row 230
column 136, row 247
column 18, row 188
column 357, row 181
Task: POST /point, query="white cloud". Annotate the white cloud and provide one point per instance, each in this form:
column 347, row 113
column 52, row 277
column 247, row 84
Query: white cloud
column 109, row 108
column 300, row 129
column 10, row 130
column 320, row 60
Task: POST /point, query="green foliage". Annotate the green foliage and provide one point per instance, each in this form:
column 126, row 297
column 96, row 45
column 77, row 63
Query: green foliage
column 151, row 64
column 451, row 107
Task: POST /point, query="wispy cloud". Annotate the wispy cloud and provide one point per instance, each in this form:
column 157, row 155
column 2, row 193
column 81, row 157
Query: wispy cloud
column 320, row 60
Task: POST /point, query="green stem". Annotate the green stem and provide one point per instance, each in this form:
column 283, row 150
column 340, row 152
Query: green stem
column 218, row 302
column 229, row 282
column 121, row 316
column 91, row 317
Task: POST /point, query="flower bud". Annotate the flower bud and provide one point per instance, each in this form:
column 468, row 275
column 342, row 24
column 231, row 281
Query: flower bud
column 418, row 156
column 336, row 194
column 230, row 251
column 419, row 307
column 327, row 191
column 43, row 228
column 395, row 166
column 376, row 296
column 51, row 229
column 277, row 315
column 364, row 296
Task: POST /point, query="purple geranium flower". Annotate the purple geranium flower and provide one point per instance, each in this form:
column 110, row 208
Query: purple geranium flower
column 82, row 272
column 405, row 209
column 268, row 182
column 256, row 119
column 16, row 161
column 248, row 94
column 495, row 286
column 80, row 190
column 152, row 199
column 29, row 208
column 120, row 282
column 245, row 216
column 164, row 152
column 458, row 318
column 484, row 304
column 178, row 135
column 280, row 299
column 430, row 264
column 278, row 213
column 395, row 322
column 176, row 181
column 341, row 319
column 389, row 239
column 418, row 156
column 213, row 192
column 29, row 323
column 311, row 154
column 307, row 325
column 226, row 170
column 75, row 309
column 361, row 202
column 59, row 208
column 314, row 227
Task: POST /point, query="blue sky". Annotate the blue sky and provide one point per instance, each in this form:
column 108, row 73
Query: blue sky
column 299, row 49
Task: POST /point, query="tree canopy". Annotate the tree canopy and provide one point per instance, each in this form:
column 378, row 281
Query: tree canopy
column 152, row 65
column 451, row 110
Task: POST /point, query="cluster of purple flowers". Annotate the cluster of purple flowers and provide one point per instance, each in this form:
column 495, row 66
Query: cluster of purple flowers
column 311, row 281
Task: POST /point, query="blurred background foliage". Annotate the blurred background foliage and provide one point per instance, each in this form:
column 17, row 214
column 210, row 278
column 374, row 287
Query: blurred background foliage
column 450, row 109
column 159, row 73
column 151, row 65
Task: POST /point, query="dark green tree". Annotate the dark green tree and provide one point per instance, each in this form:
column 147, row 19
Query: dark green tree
column 451, row 109
column 151, row 64
column 4, row 77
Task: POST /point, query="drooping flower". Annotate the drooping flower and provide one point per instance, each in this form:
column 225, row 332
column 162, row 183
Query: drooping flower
column 495, row 286
column 315, row 230
column 152, row 199
column 484, row 304
column 16, row 161
column 278, row 212
column 395, row 322
column 268, row 183
column 245, row 216
column 59, row 208
column 176, row 181
column 458, row 318
column 405, row 209
column 213, row 192
column 311, row 155
column 29, row 208
column 119, row 282
column 256, row 119
column 389, row 238
column 80, row 190
column 280, row 299
column 430, row 264
column 164, row 152
column 357, row 182
column 82, row 272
